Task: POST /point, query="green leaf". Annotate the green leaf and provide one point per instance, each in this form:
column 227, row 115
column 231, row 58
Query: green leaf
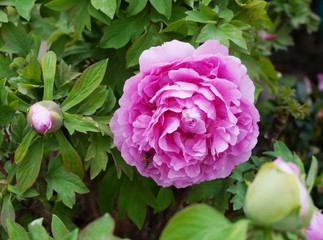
column 24, row 145
column 97, row 153
column 7, row 212
column 163, row 7
column 3, row 16
column 72, row 161
column 7, row 112
column 179, row 27
column 16, row 232
column 74, row 122
column 48, row 64
column 121, row 165
column 18, row 128
column 17, row 39
column 22, row 105
column 258, row 90
column 5, row 70
column 121, row 31
column 72, row 235
column 164, row 198
column 29, row 168
column 37, row 231
column 24, row 8
column 204, row 191
column 240, row 190
column 85, row 85
column 58, row 228
column 60, row 5
column 221, row 199
column 80, row 17
column 101, row 228
column 63, row 182
column 205, row 15
column 109, row 7
column 147, row 40
column 94, row 101
column 34, row 69
column 136, row 6
column 312, row 173
column 203, row 222
column 223, row 33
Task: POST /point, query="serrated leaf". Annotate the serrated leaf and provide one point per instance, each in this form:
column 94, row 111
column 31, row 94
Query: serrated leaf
column 204, row 15
column 58, row 228
column 48, row 64
column 240, row 190
column 121, row 164
column 72, row 161
column 147, row 40
column 204, row 191
column 223, row 33
column 5, row 70
column 24, row 145
column 7, row 212
column 101, row 228
column 7, row 112
column 60, row 5
column 16, row 231
column 63, row 182
column 136, row 6
column 85, row 85
column 221, row 199
column 75, row 122
column 203, row 222
column 97, row 153
column 24, row 8
column 37, row 231
column 29, row 168
column 109, row 7
column 121, row 31
column 163, row 7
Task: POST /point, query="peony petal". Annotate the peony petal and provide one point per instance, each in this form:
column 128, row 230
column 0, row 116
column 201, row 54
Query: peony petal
column 41, row 118
column 211, row 47
column 164, row 54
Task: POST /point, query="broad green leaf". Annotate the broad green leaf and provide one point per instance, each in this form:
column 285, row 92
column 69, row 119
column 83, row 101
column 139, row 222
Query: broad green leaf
column 204, row 191
column 109, row 7
column 312, row 173
column 5, row 70
column 24, row 145
column 85, row 85
column 7, row 112
column 34, row 69
column 100, row 229
column 240, row 190
column 18, row 128
column 74, row 122
column 221, row 199
column 24, row 8
column 97, row 153
column 60, row 5
column 281, row 150
column 17, row 39
column 94, row 101
column 63, row 182
column 179, row 27
column 3, row 16
column 121, row 31
column 48, row 64
column 3, row 92
column 205, row 15
column 22, row 105
column 164, row 198
column 223, row 33
column 72, row 161
column 163, row 7
column 16, row 231
column 29, row 168
column 258, row 90
column 72, row 235
column 147, row 40
column 37, row 231
column 98, row 15
column 136, row 6
column 58, row 228
column 203, row 222
column 7, row 211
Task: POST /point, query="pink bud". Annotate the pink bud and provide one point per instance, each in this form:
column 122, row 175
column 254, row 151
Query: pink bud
column 320, row 81
column 308, row 85
column 45, row 117
column 314, row 231
column 267, row 36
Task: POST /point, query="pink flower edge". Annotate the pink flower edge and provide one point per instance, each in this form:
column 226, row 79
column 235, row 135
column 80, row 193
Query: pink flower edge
column 314, row 231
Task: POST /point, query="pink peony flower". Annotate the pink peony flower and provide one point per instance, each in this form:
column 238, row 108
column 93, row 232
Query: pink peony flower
column 315, row 230
column 320, row 81
column 188, row 116
column 45, row 117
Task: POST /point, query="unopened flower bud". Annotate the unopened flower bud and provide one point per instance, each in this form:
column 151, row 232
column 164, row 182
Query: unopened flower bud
column 45, row 117
column 277, row 198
